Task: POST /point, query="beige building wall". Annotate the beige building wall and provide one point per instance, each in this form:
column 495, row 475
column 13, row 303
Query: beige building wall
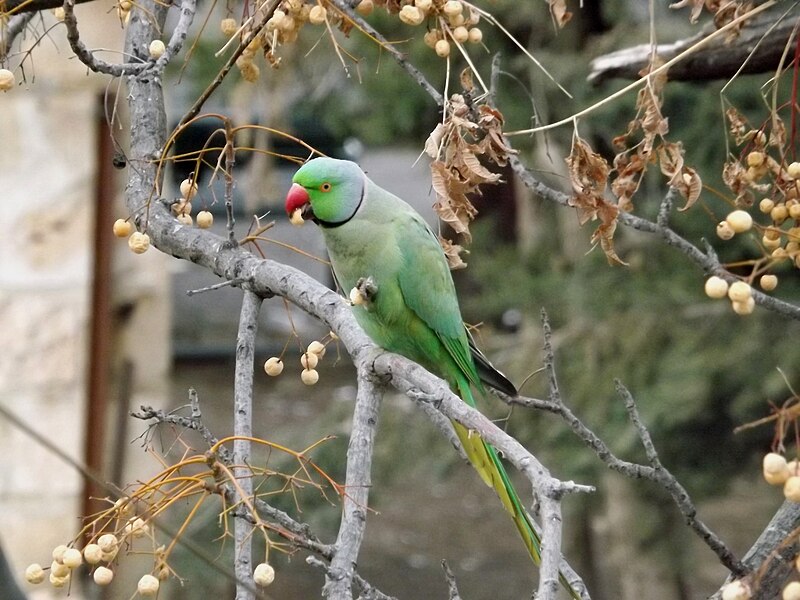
column 48, row 164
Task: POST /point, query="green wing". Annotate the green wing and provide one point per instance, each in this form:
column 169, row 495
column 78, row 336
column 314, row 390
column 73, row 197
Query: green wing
column 428, row 290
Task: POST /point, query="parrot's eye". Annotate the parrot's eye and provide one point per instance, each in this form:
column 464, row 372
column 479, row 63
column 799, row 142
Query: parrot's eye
column 325, row 187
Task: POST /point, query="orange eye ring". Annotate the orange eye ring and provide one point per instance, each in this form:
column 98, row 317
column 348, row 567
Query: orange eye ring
column 325, row 187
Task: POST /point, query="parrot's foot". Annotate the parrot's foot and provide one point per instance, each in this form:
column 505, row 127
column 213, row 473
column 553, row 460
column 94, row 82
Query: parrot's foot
column 364, row 292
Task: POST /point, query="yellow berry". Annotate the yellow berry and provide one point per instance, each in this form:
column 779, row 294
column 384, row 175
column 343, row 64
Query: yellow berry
column 317, row 15
column 716, row 287
column 109, row 556
column 182, row 207
column 724, row 231
column 58, row 582
column 431, row 37
column 188, row 189
column 273, row 366
column 779, row 214
column 364, row 8
column 249, row 71
column 475, row 35
column 185, row 219
column 791, row 591
column 768, row 282
column 452, row 8
column 7, row 80
column 122, row 228
column 424, row 5
column 156, row 49
column 275, row 20
column 456, row 20
column 103, row 575
column 442, row 48
column 58, row 553
column 34, row 573
column 770, row 241
column 736, row 590
column 72, row 558
column 136, row 527
column 92, row 554
column 264, row 574
column 317, row 348
column 108, row 542
column 793, row 170
column 739, row 220
column 356, row 297
column 297, row 218
column 411, row 15
column 791, row 489
column 205, row 219
column 755, row 159
column 739, row 291
column 58, row 13
column 775, row 469
column 147, row 586
column 309, row 360
column 794, row 211
column 228, row 26
column 766, row 205
column 773, row 463
column 460, row 34
column 744, row 307
column 58, row 569
column 309, row 376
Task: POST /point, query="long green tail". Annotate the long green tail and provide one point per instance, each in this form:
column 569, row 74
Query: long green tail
column 486, row 462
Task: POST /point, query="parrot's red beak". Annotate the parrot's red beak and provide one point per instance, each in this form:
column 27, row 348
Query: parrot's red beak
column 298, row 199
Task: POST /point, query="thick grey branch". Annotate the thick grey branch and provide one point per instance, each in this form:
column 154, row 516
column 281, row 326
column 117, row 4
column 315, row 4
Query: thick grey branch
column 757, row 49
column 339, row 577
column 242, row 429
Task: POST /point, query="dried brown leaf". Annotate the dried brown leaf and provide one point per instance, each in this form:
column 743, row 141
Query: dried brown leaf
column 452, row 204
column 734, row 175
column 738, row 125
column 434, row 141
column 690, row 187
column 473, row 171
column 589, row 175
column 452, row 253
column 558, row 8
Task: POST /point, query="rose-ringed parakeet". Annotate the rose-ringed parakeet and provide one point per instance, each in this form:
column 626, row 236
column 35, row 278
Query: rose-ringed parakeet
column 404, row 297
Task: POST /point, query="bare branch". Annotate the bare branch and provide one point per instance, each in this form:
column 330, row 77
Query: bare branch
column 339, row 577
column 452, row 588
column 12, row 29
column 705, row 260
column 756, row 49
column 87, row 57
column 243, row 430
column 20, row 7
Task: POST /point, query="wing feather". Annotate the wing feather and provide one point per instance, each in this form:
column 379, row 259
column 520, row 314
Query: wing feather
column 433, row 297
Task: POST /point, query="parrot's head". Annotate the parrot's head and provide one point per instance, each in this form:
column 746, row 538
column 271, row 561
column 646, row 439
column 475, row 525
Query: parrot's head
column 327, row 191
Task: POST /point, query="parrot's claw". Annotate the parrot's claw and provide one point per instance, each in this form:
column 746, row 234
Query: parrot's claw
column 364, row 292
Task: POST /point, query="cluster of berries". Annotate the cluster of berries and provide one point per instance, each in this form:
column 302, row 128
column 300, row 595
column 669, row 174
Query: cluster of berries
column 308, row 360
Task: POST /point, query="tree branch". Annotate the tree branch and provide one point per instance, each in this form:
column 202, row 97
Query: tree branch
column 339, row 577
column 757, row 48
column 243, row 430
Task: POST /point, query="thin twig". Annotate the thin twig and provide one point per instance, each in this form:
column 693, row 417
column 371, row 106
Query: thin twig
column 452, row 588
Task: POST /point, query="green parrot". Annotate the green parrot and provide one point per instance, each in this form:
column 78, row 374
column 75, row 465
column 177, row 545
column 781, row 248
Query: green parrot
column 403, row 296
